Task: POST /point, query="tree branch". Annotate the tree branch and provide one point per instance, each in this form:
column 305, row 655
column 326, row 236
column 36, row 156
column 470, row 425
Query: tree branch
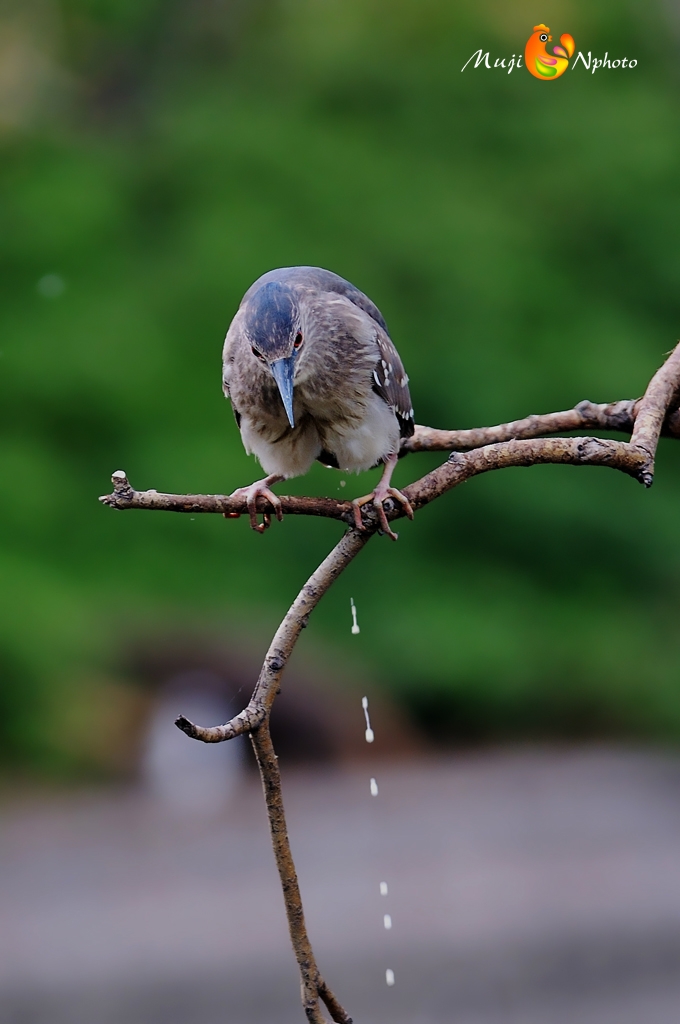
column 655, row 413
column 255, row 720
column 313, row 987
column 124, row 497
column 282, row 645
column 519, row 443
column 575, row 451
column 652, row 412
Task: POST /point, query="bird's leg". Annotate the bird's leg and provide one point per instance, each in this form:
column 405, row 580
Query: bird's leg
column 383, row 490
column 251, row 494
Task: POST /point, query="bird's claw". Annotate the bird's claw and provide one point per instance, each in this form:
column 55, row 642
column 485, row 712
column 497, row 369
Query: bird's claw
column 251, row 494
column 376, row 498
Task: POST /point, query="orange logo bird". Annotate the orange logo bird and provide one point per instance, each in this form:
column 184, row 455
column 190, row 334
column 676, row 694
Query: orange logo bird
column 544, row 65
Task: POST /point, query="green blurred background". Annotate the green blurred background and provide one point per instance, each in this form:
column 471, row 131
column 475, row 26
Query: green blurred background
column 521, row 239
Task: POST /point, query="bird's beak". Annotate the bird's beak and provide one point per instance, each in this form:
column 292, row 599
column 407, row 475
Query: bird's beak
column 283, row 370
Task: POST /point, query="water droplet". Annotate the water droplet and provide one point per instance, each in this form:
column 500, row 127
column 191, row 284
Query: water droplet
column 51, row 286
column 369, row 734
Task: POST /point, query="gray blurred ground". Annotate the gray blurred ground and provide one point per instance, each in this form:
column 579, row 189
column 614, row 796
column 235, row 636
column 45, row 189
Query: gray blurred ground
column 531, row 887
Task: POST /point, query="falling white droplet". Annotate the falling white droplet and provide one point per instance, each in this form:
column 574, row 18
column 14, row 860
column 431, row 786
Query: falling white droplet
column 387, row 921
column 355, row 624
column 369, row 734
column 389, row 977
column 342, row 483
column 374, row 787
column 383, row 888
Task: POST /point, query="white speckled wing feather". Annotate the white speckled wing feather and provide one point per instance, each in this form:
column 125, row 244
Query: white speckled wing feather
column 390, row 381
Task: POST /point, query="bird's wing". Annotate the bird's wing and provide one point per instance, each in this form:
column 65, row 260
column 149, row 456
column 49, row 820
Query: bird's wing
column 227, row 394
column 334, row 283
column 390, row 381
column 230, row 343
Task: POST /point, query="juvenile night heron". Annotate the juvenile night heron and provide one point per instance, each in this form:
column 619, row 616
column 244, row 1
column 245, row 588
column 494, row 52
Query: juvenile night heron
column 312, row 374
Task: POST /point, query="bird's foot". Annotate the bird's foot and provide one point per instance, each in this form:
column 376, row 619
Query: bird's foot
column 251, row 494
column 382, row 491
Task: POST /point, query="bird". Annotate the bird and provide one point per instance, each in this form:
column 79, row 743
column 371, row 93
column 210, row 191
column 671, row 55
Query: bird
column 313, row 375
column 539, row 62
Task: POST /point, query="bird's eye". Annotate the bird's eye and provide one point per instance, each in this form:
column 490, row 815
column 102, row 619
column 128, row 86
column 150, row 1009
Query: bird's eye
column 298, row 340
column 543, row 37
column 258, row 354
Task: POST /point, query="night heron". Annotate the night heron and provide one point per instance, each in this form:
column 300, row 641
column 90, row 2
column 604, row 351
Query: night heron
column 312, row 374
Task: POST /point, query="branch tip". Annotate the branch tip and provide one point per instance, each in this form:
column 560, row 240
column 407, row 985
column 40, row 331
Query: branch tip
column 186, row 726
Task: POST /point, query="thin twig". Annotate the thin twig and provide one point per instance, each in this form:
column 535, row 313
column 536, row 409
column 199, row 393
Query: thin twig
column 586, row 415
column 255, row 720
column 519, row 443
column 575, row 451
column 125, row 497
column 282, row 645
column 313, row 987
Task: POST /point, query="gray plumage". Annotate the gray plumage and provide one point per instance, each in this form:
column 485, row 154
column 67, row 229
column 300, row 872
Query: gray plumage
column 312, row 373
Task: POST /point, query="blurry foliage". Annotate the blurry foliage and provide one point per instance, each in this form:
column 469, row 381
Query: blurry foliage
column 522, row 241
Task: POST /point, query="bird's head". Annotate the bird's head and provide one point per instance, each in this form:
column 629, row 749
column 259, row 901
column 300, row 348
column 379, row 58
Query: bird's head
column 274, row 330
column 541, row 35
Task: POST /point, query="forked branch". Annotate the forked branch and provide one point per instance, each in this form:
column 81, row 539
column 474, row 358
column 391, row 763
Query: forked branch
column 520, row 443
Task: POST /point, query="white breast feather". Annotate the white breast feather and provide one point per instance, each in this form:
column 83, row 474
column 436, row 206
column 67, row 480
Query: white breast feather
column 361, row 444
column 293, row 455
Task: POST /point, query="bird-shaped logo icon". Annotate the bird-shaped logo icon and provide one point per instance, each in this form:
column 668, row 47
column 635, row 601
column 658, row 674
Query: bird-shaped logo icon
column 544, row 65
